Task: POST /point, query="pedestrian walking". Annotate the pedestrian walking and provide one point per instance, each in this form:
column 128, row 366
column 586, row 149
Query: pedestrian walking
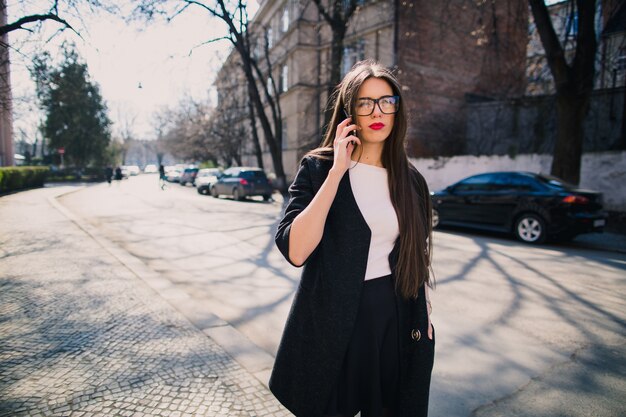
column 108, row 173
column 118, row 175
column 162, row 183
column 358, row 337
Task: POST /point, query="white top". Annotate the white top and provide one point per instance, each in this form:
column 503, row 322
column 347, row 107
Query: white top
column 371, row 191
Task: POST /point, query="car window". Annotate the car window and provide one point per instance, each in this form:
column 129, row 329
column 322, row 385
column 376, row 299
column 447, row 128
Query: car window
column 229, row 173
column 252, row 175
column 523, row 182
column 476, row 183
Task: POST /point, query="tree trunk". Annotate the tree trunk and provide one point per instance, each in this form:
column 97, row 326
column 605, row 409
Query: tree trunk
column 255, row 135
column 571, row 111
column 275, row 148
column 6, row 118
column 336, row 60
column 574, row 83
column 622, row 143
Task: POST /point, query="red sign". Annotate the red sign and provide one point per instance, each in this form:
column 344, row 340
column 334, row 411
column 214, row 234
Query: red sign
column 61, row 151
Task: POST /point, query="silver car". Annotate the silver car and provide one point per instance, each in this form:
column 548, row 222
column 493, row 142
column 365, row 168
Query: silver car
column 205, row 178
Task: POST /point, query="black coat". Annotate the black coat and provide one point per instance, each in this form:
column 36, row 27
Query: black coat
column 325, row 306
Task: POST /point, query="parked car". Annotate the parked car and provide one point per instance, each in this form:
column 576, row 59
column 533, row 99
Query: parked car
column 205, row 178
column 533, row 207
column 150, row 169
column 172, row 174
column 188, row 176
column 242, row 182
column 131, row 169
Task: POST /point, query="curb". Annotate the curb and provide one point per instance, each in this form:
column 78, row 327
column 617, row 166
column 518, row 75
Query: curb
column 249, row 356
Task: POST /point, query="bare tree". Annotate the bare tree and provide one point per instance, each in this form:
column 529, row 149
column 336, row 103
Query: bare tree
column 235, row 16
column 59, row 12
column 125, row 130
column 573, row 81
column 337, row 14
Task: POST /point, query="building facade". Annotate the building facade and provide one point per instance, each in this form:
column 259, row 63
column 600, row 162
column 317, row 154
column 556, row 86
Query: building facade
column 444, row 53
column 528, row 124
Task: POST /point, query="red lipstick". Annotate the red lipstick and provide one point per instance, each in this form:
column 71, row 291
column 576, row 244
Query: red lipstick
column 377, row 126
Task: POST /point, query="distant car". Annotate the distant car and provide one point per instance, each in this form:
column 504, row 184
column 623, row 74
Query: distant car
column 188, row 176
column 242, row 182
column 150, row 169
column 533, row 207
column 205, row 178
column 172, row 174
column 132, row 169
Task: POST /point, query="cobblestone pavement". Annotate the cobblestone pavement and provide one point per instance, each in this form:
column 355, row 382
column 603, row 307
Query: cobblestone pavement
column 80, row 335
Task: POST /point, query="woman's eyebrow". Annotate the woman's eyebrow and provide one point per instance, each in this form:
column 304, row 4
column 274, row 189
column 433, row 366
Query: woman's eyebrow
column 371, row 98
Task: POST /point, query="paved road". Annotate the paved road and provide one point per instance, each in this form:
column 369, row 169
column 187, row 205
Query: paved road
column 82, row 335
column 528, row 331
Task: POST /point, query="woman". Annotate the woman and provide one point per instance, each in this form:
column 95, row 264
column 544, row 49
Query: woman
column 358, row 336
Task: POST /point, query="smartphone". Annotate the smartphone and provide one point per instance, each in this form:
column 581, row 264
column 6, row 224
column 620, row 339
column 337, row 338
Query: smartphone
column 351, row 132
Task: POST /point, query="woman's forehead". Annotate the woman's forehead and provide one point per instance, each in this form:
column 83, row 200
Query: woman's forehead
column 375, row 87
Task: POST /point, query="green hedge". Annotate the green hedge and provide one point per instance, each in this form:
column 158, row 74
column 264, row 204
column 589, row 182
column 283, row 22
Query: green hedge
column 16, row 178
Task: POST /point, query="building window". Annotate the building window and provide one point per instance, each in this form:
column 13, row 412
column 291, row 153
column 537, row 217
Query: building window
column 284, row 78
column 257, row 51
column 346, row 3
column 270, row 38
column 285, row 140
column 620, row 62
column 352, row 54
column 270, row 85
column 284, row 20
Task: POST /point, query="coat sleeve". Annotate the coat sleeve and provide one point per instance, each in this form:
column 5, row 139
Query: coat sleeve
column 300, row 195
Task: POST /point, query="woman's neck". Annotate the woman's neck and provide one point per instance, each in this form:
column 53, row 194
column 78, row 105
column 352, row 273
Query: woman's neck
column 370, row 154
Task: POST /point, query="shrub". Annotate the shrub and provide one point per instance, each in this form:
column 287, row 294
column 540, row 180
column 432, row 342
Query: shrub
column 16, row 178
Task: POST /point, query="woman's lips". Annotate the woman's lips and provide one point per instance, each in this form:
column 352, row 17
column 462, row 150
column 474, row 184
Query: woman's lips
column 377, row 126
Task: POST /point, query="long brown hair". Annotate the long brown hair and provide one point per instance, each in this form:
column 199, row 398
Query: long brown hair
column 408, row 191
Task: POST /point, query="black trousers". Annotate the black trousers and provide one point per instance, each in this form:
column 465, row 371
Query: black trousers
column 368, row 379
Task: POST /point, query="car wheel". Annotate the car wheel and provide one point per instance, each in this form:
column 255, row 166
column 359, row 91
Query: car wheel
column 214, row 192
column 237, row 194
column 435, row 218
column 530, row 228
column 267, row 197
column 201, row 190
column 183, row 183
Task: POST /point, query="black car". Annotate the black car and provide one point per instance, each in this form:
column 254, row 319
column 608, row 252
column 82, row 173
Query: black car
column 534, row 207
column 188, row 176
column 242, row 182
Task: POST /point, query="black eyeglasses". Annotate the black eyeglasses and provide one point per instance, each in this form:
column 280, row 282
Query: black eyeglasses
column 386, row 104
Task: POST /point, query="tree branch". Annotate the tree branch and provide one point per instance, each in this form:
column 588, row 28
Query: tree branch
column 31, row 19
column 550, row 41
column 223, row 38
column 323, row 12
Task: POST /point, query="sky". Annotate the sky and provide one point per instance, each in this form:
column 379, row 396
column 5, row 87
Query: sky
column 166, row 59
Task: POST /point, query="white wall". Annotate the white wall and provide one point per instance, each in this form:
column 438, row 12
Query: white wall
column 600, row 171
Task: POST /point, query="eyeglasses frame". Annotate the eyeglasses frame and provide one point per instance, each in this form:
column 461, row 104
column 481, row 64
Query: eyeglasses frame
column 377, row 102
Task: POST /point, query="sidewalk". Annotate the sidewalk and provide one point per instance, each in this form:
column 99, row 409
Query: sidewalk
column 82, row 335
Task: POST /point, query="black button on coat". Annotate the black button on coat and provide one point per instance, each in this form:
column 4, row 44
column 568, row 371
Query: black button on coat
column 324, row 309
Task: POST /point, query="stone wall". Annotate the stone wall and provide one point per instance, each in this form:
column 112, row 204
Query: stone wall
column 528, row 125
column 600, row 171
